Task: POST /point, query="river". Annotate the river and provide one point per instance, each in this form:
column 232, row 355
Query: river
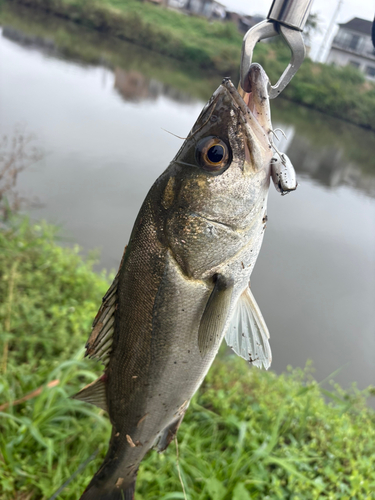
column 99, row 108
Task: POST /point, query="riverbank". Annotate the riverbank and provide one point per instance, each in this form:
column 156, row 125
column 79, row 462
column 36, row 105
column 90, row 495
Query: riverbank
column 216, row 47
column 213, row 46
column 247, row 434
column 61, row 38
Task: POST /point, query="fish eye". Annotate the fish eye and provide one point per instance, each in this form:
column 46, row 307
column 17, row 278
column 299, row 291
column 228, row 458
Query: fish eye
column 213, row 155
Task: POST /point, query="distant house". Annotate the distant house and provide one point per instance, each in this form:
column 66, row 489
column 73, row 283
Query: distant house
column 352, row 45
column 243, row 23
column 207, row 8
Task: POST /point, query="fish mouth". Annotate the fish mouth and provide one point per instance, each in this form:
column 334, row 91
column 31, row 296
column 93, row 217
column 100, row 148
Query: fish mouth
column 258, row 97
column 253, row 113
column 255, row 104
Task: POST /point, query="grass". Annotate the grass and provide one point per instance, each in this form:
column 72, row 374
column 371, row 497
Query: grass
column 248, row 434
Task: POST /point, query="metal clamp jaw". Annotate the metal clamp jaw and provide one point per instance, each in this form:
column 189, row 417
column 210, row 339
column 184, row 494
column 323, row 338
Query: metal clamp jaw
column 286, row 18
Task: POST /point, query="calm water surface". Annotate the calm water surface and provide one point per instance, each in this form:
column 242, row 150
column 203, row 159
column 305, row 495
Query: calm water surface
column 101, row 130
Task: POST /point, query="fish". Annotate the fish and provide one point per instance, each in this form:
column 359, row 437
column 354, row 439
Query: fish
column 183, row 283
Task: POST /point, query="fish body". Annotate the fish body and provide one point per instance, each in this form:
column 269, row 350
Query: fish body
column 183, row 283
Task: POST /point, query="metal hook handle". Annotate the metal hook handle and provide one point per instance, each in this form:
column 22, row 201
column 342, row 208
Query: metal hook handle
column 297, row 47
column 286, row 18
column 264, row 29
column 291, row 13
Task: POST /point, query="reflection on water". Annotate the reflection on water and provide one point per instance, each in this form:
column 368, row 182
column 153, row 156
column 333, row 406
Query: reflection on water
column 330, row 151
column 30, row 41
column 134, row 86
column 327, row 165
column 98, row 107
column 71, row 42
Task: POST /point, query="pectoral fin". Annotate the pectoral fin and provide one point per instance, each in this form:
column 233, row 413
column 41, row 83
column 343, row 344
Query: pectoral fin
column 248, row 334
column 215, row 315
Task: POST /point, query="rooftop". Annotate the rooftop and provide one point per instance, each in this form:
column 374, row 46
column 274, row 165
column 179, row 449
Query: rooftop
column 359, row 25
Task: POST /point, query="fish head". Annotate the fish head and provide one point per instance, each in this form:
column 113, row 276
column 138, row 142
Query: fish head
column 221, row 174
column 225, row 161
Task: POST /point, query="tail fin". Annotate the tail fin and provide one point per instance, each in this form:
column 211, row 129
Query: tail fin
column 106, row 492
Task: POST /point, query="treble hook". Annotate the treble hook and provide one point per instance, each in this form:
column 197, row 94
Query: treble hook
column 286, row 18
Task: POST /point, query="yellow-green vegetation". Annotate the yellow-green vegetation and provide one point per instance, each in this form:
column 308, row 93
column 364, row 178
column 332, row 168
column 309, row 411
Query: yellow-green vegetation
column 216, row 47
column 78, row 43
column 208, row 45
column 248, row 434
column 342, row 92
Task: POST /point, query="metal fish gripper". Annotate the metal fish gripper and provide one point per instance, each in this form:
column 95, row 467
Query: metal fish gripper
column 286, row 18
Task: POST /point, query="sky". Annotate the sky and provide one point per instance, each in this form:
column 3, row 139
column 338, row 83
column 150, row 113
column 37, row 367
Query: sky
column 324, row 8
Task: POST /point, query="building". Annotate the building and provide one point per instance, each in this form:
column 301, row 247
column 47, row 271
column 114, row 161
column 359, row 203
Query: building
column 243, row 23
column 207, row 8
column 353, row 45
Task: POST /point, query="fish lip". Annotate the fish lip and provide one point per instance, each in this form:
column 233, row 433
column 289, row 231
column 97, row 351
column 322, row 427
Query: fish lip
column 249, row 111
column 228, row 85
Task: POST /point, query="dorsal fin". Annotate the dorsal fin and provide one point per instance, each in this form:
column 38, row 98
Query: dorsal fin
column 99, row 344
column 100, row 341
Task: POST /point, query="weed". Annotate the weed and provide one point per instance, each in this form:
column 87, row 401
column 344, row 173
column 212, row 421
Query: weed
column 247, row 434
column 16, row 154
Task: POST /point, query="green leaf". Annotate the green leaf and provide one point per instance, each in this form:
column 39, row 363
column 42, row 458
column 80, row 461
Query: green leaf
column 215, row 488
column 240, row 492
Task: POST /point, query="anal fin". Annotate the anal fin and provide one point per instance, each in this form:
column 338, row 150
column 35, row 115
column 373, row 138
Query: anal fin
column 94, row 393
column 168, row 434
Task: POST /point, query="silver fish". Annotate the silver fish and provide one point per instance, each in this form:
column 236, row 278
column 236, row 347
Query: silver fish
column 183, row 283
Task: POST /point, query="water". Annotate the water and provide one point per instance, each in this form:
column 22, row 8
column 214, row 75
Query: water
column 100, row 125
